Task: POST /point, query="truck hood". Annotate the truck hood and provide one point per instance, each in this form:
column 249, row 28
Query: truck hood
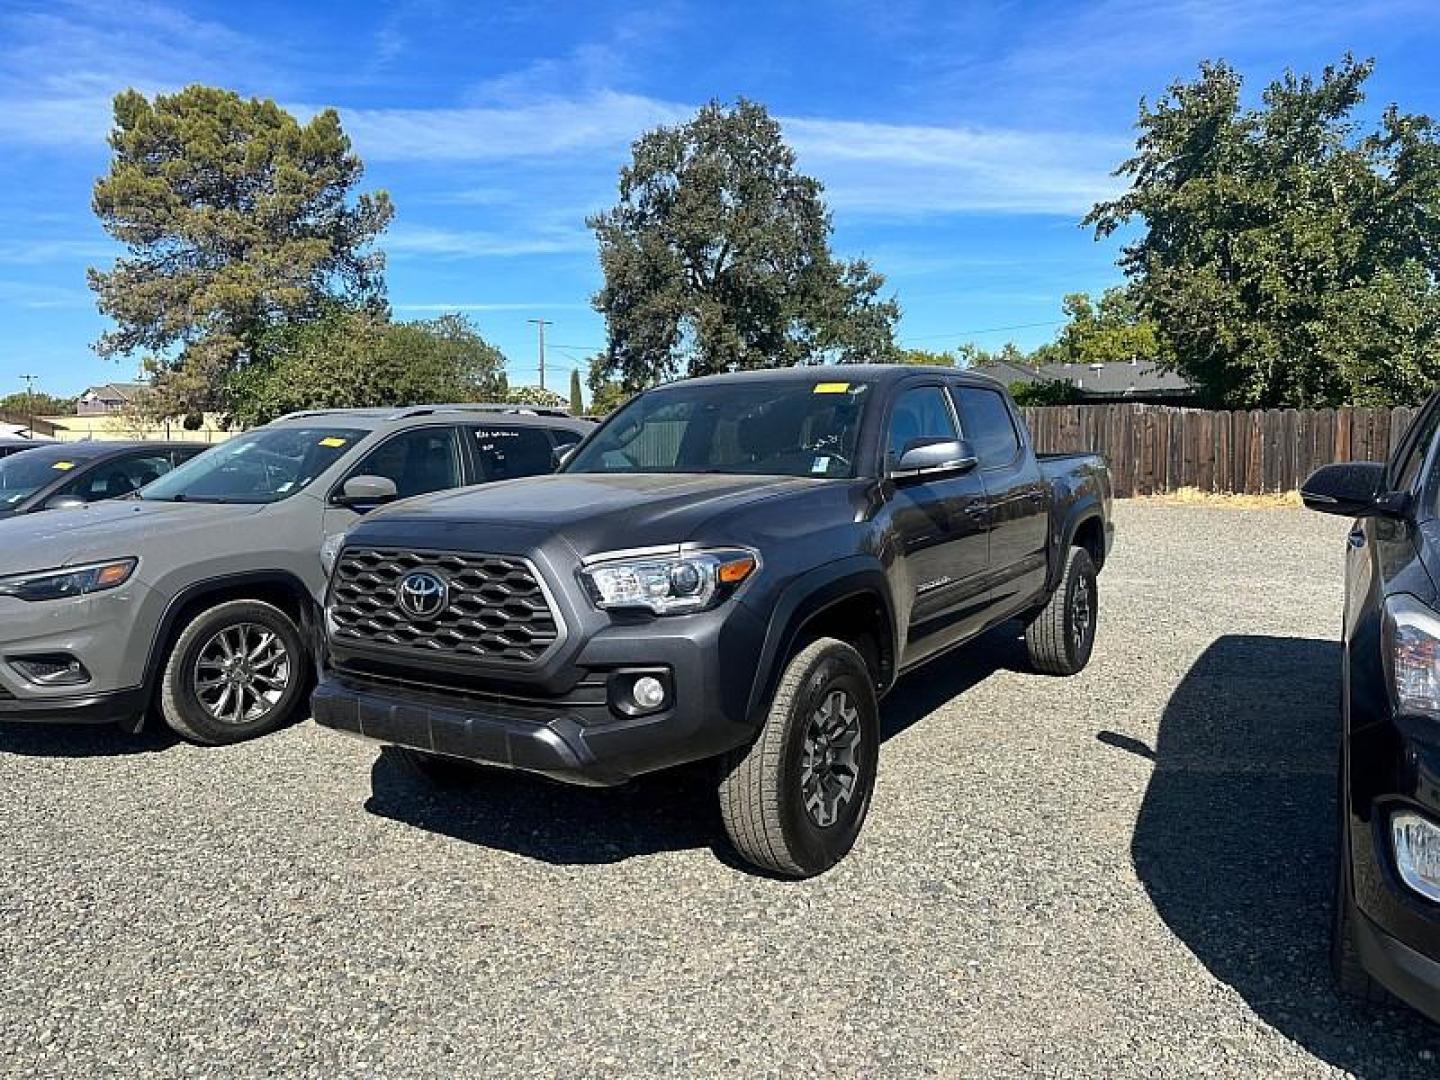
column 108, row 530
column 595, row 512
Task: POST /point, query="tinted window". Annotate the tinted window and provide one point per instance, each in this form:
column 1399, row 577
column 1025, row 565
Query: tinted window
column 116, row 478
column 1406, row 470
column 988, row 425
column 759, row 427
column 921, row 417
column 21, row 475
column 507, row 452
column 417, row 462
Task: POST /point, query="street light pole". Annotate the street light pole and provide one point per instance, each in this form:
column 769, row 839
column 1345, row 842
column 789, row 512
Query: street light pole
column 542, row 323
column 30, row 400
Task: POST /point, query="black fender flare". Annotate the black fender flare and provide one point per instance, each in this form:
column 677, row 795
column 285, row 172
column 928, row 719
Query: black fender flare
column 810, row 596
column 155, row 659
column 1083, row 509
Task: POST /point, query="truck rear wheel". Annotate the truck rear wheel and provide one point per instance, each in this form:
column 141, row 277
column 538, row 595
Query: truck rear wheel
column 1062, row 636
column 238, row 670
column 794, row 801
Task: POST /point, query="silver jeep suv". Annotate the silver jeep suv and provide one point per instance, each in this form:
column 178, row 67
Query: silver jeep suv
column 199, row 594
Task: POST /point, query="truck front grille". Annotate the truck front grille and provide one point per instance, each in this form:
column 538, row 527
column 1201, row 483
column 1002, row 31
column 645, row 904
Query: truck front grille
column 493, row 608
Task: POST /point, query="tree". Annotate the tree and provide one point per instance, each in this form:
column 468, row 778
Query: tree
column 356, row 359
column 577, row 399
column 238, row 221
column 1288, row 256
column 1045, row 392
column 717, row 258
column 1112, row 331
column 606, row 395
column 535, row 395
column 41, row 404
column 923, row 356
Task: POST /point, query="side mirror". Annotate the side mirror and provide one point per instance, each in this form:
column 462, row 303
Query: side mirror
column 1353, row 489
column 365, row 491
column 561, row 454
column 934, row 459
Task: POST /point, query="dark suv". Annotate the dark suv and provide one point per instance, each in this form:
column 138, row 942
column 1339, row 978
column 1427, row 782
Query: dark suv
column 732, row 568
column 1387, row 884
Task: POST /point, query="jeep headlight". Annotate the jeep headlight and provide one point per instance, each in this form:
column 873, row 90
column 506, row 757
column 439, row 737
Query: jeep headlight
column 72, row 581
column 668, row 584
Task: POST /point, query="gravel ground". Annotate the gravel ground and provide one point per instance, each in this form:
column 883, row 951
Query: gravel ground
column 1123, row 874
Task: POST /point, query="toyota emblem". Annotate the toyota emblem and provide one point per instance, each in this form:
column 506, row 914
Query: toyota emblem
column 423, row 595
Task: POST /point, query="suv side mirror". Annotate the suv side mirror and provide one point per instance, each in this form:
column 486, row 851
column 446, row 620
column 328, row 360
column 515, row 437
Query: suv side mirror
column 1353, row 489
column 364, row 491
column 561, row 454
column 934, row 459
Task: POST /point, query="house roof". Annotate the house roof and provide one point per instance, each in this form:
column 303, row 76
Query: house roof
column 124, row 391
column 1095, row 380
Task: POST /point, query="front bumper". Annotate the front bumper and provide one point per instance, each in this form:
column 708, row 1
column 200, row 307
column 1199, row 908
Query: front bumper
column 578, row 744
column 97, row 630
column 1409, row 974
column 100, row 708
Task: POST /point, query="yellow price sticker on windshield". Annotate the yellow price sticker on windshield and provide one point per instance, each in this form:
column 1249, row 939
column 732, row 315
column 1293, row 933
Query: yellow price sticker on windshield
column 63, row 466
column 332, row 442
column 831, row 387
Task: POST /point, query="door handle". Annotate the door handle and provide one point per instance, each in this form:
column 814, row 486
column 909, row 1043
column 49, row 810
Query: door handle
column 1356, row 538
column 978, row 509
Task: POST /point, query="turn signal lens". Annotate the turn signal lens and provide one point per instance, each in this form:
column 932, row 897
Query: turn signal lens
column 1412, row 654
column 737, row 569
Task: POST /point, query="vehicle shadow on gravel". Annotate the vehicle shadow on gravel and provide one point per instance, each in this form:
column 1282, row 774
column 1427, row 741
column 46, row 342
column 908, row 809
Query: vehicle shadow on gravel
column 83, row 740
column 1236, row 844
column 669, row 811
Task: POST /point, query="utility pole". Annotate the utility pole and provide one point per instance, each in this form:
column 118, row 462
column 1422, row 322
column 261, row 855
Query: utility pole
column 542, row 323
column 30, row 400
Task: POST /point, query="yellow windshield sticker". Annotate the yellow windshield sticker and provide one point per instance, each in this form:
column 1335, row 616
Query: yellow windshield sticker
column 63, row 466
column 832, row 387
column 332, row 442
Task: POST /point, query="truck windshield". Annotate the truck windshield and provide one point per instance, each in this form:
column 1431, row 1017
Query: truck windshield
column 761, row 427
column 264, row 466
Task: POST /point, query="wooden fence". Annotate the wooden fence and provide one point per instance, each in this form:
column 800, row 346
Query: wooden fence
column 1156, row 448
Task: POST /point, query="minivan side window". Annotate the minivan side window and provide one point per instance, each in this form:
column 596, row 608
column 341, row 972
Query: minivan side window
column 987, row 423
column 920, row 417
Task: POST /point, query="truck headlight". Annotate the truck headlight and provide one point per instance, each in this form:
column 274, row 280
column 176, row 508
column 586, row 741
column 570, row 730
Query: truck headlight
column 72, row 581
column 668, row 584
column 1411, row 633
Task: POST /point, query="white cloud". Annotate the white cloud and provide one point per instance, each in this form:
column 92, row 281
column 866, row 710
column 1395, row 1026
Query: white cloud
column 432, row 242
column 536, row 305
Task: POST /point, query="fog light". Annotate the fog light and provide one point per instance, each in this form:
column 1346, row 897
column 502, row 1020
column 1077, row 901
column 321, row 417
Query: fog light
column 648, row 692
column 1417, row 853
column 51, row 669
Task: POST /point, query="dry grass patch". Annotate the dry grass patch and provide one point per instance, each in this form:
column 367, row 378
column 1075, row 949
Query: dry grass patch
column 1190, row 496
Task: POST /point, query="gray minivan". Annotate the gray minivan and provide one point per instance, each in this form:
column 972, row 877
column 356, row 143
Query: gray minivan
column 199, row 593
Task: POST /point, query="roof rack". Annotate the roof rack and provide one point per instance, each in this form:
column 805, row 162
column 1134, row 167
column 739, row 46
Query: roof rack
column 410, row 411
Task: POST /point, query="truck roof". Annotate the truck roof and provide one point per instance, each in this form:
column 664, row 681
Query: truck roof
column 868, row 373
column 375, row 418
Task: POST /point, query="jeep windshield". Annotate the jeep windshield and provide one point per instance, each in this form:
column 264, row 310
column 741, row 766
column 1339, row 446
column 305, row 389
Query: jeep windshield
column 764, row 427
column 264, row 466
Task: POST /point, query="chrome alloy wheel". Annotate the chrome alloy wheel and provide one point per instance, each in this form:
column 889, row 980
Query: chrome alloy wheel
column 241, row 673
column 829, row 771
column 1081, row 612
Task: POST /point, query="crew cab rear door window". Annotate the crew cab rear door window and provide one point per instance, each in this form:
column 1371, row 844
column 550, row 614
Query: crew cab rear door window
column 507, row 451
column 114, row 479
column 986, row 421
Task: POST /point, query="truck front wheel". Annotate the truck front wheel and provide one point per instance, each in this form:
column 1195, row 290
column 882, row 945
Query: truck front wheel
column 1061, row 637
column 794, row 801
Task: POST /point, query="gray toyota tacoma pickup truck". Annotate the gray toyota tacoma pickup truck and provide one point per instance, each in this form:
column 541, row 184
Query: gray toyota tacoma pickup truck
column 736, row 568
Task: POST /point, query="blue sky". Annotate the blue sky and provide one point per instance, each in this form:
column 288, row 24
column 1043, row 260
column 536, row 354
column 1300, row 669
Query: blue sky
column 959, row 142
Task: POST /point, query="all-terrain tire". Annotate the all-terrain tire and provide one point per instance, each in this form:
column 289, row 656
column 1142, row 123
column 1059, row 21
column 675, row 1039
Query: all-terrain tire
column 772, row 823
column 180, row 702
column 1061, row 638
